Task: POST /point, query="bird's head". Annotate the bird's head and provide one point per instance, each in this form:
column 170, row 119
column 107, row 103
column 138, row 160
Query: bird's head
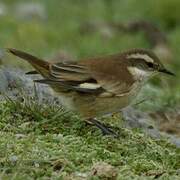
column 144, row 63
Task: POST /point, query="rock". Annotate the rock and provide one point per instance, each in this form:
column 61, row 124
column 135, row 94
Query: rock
column 15, row 84
column 137, row 119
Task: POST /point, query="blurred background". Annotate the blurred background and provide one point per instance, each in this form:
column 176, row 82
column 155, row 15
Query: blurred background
column 72, row 29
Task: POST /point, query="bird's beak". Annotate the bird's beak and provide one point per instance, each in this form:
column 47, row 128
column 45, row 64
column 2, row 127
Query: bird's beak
column 166, row 72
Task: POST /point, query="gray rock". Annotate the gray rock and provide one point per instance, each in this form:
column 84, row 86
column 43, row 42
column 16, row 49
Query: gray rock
column 137, row 119
column 15, row 84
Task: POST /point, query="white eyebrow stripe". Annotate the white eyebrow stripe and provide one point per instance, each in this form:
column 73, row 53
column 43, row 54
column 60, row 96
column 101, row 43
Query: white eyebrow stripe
column 141, row 56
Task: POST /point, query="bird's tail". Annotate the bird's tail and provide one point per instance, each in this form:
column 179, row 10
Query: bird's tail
column 40, row 65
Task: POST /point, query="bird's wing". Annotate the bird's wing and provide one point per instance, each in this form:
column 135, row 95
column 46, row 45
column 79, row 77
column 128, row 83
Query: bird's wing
column 72, row 76
column 90, row 78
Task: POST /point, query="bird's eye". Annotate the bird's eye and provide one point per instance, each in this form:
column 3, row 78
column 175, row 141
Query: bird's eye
column 150, row 65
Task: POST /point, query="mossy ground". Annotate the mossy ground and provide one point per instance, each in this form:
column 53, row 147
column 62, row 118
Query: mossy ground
column 46, row 141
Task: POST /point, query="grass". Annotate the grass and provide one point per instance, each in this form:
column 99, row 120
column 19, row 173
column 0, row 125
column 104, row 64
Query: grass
column 45, row 140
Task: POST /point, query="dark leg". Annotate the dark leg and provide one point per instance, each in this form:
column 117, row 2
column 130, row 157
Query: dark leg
column 104, row 128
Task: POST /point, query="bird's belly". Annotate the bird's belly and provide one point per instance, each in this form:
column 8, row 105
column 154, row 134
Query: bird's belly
column 102, row 106
column 91, row 106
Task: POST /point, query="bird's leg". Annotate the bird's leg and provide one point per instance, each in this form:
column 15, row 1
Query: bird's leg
column 104, row 128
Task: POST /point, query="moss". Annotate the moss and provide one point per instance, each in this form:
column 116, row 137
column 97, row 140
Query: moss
column 53, row 141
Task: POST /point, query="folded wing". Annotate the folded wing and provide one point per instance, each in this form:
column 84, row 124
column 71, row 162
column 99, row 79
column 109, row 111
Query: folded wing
column 87, row 78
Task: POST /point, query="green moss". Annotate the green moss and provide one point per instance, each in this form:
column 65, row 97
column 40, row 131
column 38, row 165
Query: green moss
column 33, row 142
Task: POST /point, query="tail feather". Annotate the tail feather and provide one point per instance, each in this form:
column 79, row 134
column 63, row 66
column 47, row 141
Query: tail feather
column 40, row 65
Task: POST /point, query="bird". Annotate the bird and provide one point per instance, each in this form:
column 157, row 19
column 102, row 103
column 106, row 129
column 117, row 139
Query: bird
column 99, row 85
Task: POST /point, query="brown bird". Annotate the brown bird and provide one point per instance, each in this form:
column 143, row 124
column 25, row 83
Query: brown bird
column 98, row 86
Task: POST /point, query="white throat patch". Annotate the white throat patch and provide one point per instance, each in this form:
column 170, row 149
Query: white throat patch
column 141, row 56
column 140, row 74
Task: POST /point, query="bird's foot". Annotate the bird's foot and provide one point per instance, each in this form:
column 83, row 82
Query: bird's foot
column 106, row 130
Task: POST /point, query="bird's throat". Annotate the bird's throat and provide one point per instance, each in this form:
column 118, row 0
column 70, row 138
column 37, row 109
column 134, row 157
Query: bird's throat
column 140, row 74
